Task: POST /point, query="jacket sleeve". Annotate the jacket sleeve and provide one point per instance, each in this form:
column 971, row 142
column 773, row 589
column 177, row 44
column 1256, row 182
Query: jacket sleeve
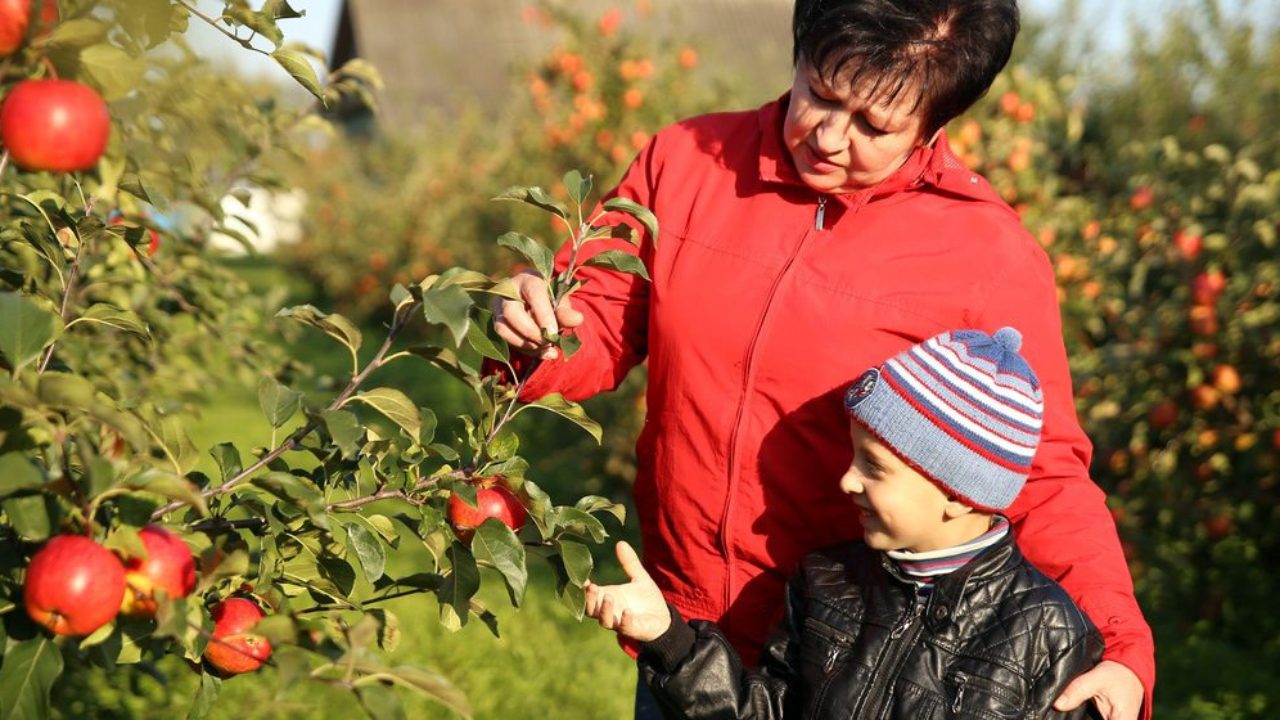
column 1083, row 653
column 614, row 333
column 1064, row 526
column 695, row 673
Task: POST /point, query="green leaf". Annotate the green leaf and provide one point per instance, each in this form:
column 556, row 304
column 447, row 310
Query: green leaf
column 388, row 629
column 567, row 409
column 380, row 702
column 206, row 696
column 346, row 431
column 27, row 329
column 428, row 432
column 459, row 586
column 228, row 459
column 638, row 211
column 569, row 344
column 77, row 33
column 132, row 184
column 595, row 504
column 486, row 346
column 114, row 317
column 577, row 561
column 579, row 187
column 451, row 307
column 17, row 473
column 114, row 71
column 167, row 485
column 175, row 439
column 301, row 493
column 504, row 445
column 29, row 671
column 336, row 326
column 576, row 522
column 278, row 402
column 31, row 516
column 262, row 23
column 535, row 196
column 396, row 406
column 427, row 684
column 66, row 391
column 619, row 260
column 368, row 550
column 496, row 546
column 299, row 66
column 539, row 256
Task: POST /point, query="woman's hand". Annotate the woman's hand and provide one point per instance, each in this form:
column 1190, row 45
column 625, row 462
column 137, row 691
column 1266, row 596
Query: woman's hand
column 1113, row 688
column 636, row 609
column 522, row 322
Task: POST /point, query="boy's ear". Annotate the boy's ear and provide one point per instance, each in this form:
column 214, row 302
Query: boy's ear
column 955, row 508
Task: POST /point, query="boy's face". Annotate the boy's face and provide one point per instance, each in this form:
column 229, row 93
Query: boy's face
column 901, row 509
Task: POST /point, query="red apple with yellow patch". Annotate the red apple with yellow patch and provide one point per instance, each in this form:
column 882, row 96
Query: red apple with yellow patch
column 492, row 501
column 168, row 567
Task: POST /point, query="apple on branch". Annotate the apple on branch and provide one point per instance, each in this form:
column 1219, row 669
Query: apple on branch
column 233, row 648
column 168, row 567
column 492, row 501
column 74, row 585
column 54, row 125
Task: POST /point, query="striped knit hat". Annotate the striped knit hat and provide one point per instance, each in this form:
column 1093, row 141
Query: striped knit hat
column 962, row 408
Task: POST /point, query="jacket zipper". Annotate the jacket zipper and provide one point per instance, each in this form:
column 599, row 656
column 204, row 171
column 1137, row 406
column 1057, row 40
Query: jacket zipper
column 723, row 536
column 901, row 639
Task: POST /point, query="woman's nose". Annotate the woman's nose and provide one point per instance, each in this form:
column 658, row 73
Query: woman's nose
column 832, row 133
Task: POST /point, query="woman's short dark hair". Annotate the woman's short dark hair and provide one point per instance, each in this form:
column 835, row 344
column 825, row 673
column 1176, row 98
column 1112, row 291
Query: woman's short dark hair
column 953, row 48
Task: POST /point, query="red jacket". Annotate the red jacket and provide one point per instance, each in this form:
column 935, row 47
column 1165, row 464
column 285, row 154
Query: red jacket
column 766, row 301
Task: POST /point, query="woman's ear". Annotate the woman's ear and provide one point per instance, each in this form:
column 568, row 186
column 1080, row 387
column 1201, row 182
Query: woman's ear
column 955, row 509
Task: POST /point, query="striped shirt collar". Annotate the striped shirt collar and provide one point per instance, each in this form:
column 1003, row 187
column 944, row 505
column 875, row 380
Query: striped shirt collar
column 923, row 568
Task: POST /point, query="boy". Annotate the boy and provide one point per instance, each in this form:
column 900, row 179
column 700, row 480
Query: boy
column 935, row 614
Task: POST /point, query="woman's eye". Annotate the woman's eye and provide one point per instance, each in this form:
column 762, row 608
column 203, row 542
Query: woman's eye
column 822, row 98
column 870, row 128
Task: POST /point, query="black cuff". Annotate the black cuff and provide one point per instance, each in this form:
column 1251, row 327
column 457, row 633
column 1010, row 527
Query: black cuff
column 672, row 646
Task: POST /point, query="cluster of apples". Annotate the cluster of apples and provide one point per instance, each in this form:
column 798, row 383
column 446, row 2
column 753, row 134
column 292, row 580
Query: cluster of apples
column 51, row 125
column 75, row 586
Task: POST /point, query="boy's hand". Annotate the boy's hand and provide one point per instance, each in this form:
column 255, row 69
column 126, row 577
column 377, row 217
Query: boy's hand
column 636, row 609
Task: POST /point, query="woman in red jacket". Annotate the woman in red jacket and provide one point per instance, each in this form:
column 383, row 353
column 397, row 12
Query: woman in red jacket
column 829, row 229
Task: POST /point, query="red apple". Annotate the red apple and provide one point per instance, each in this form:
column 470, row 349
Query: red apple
column 15, row 15
column 1207, row 286
column 1226, row 379
column 54, row 125
column 232, row 648
column 1141, row 198
column 168, row 566
column 47, row 19
column 1204, row 397
column 1218, row 526
column 495, row 501
column 1164, row 414
column 1188, row 244
column 74, row 585
column 1203, row 319
column 154, row 243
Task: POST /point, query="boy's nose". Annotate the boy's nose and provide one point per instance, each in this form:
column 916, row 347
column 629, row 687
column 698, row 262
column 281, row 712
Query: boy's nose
column 851, row 482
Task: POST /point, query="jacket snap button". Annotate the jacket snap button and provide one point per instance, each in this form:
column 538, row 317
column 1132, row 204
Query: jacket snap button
column 940, row 612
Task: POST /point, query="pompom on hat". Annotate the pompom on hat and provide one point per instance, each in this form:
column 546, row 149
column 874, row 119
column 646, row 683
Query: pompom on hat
column 963, row 408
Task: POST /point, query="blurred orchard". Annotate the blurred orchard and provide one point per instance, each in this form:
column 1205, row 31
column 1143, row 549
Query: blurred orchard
column 392, row 489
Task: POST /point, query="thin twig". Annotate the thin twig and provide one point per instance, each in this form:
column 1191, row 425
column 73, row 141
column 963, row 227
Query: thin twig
column 214, row 24
column 296, row 437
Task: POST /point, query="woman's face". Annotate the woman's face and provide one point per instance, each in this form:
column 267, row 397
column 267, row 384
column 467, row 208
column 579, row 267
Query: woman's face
column 842, row 139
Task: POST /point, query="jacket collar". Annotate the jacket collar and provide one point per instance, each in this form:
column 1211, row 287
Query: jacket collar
column 950, row 589
column 932, row 164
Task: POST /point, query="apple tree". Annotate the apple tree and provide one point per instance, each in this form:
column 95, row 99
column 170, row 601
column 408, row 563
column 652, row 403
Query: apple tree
column 114, row 548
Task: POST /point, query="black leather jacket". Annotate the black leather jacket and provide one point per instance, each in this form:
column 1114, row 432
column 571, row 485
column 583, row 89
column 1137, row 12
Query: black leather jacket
column 995, row 639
